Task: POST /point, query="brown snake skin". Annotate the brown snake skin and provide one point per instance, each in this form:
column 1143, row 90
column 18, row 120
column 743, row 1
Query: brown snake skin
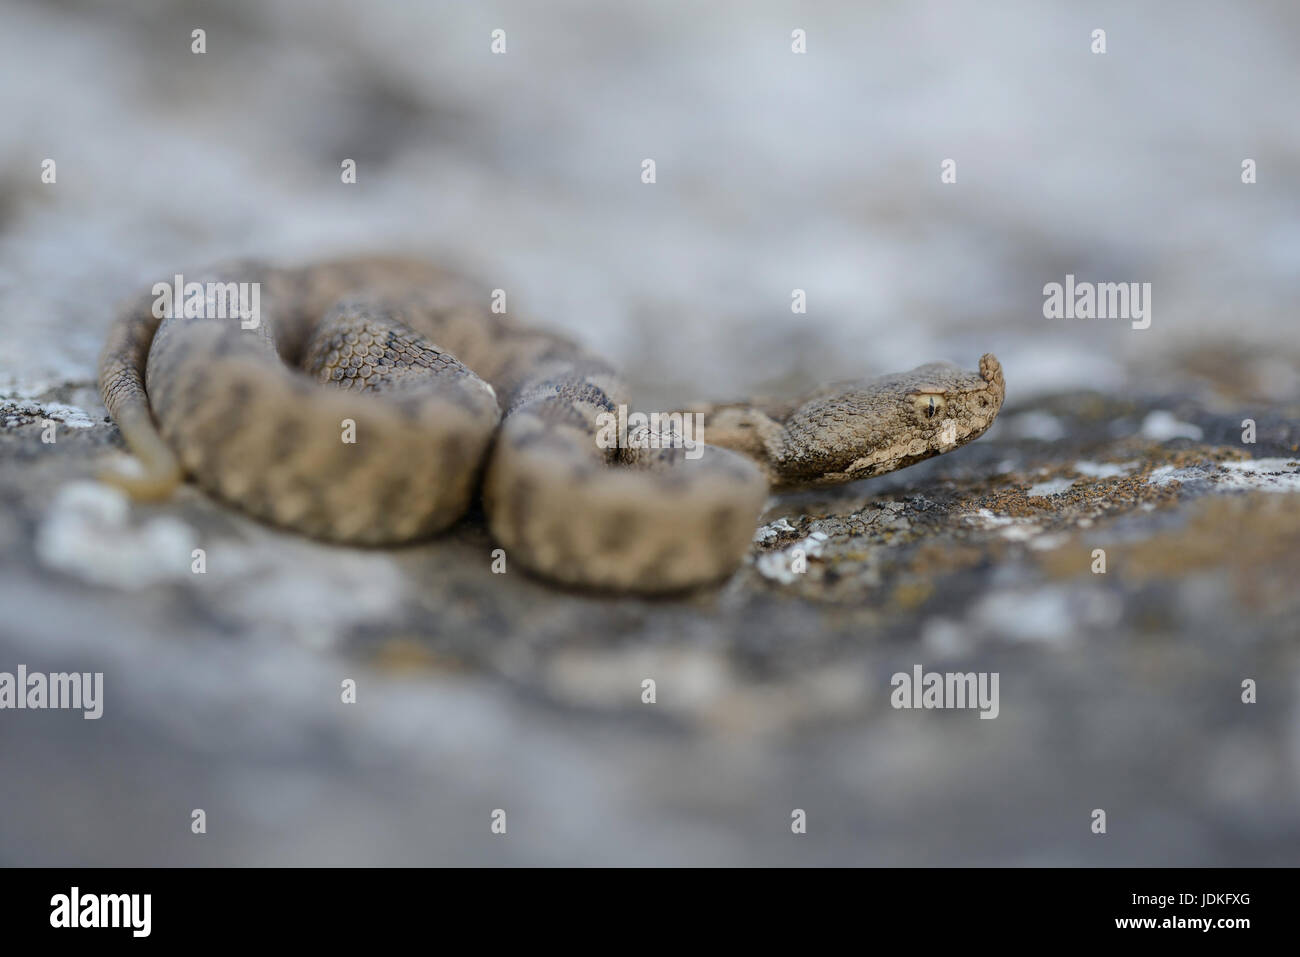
column 447, row 397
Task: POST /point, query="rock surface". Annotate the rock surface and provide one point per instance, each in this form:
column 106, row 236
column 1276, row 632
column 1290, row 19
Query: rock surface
column 1118, row 690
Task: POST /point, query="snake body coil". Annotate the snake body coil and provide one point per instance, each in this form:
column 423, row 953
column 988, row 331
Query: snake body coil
column 445, row 397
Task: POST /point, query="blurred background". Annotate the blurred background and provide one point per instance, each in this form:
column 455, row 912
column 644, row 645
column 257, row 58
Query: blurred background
column 775, row 172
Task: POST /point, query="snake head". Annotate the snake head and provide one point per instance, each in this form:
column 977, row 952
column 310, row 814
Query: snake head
column 867, row 428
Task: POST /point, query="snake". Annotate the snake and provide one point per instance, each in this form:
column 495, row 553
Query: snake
column 373, row 400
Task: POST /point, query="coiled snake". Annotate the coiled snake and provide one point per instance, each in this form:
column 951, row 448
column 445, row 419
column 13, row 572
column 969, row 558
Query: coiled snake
column 447, row 397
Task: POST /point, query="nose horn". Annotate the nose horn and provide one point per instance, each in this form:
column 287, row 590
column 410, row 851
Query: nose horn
column 990, row 368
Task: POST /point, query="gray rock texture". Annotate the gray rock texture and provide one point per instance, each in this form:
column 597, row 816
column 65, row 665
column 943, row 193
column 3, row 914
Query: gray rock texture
column 1120, row 691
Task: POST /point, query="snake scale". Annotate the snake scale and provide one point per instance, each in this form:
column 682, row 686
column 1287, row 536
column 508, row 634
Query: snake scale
column 448, row 398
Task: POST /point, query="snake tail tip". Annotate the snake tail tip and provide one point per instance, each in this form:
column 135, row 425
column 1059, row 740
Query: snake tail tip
column 147, row 487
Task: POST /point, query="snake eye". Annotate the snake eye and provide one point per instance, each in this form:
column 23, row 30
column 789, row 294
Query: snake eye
column 928, row 405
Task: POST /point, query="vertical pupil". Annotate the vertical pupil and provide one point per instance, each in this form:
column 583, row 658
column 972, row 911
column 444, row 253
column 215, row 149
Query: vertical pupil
column 929, row 411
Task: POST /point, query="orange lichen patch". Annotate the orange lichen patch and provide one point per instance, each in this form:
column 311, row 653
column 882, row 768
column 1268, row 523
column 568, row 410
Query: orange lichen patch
column 897, row 553
column 1090, row 496
column 1156, row 456
column 1087, row 497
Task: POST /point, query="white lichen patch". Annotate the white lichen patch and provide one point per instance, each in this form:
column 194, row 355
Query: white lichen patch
column 772, row 531
column 87, row 533
column 1267, row 475
column 1167, row 474
column 1161, row 426
column 1104, row 469
column 15, row 412
column 986, row 518
column 1263, row 475
column 1012, row 528
column 783, row 565
column 1100, row 470
column 1050, row 487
